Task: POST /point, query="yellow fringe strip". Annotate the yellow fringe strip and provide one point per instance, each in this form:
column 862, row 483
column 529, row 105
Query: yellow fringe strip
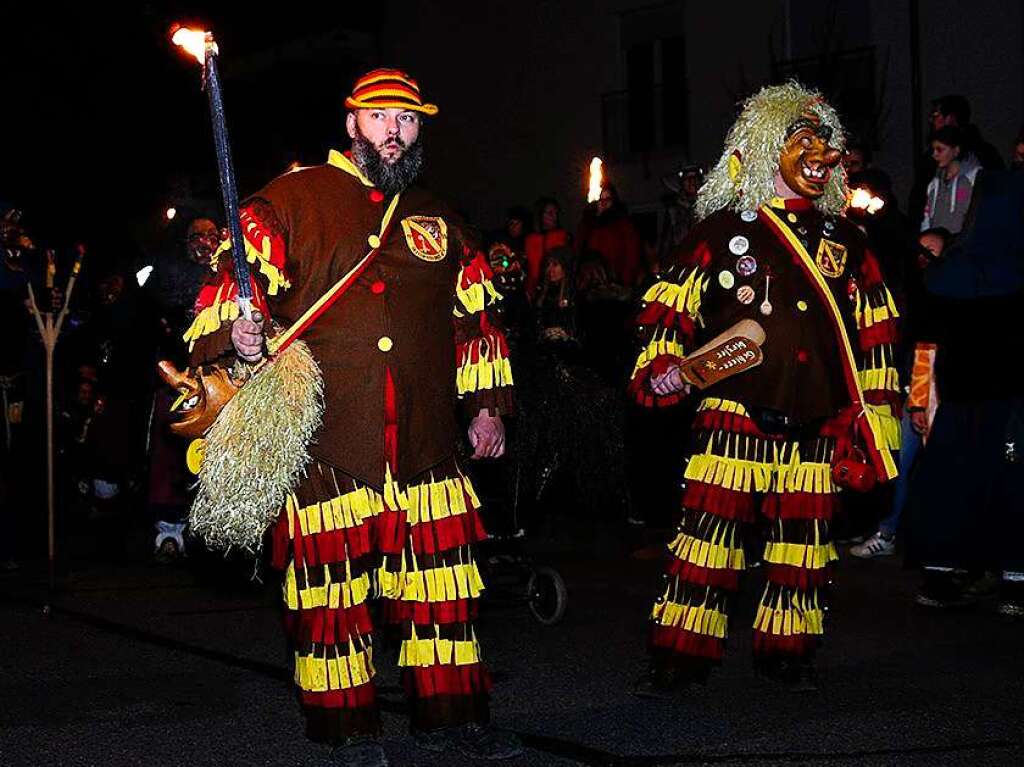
column 275, row 277
column 723, row 406
column 682, row 297
column 320, row 674
column 490, row 371
column 342, row 512
column 797, row 477
column 886, row 426
column 887, row 378
column 792, row 619
column 867, row 315
column 663, row 343
column 209, row 319
column 350, row 592
column 437, row 584
column 431, row 501
column 438, row 652
column 477, row 297
column 730, row 473
column 696, row 618
column 813, row 557
column 720, row 553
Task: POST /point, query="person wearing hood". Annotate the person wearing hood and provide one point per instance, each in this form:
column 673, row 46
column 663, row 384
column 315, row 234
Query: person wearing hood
column 949, row 192
column 612, row 234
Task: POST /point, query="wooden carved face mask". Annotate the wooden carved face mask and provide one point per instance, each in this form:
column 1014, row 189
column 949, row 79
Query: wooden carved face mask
column 202, row 395
column 807, row 159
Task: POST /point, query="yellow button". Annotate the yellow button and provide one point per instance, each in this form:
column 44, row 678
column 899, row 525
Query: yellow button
column 385, row 344
column 792, row 218
column 374, row 241
column 801, row 305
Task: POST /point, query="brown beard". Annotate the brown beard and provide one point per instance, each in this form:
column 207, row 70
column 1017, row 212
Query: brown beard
column 391, row 178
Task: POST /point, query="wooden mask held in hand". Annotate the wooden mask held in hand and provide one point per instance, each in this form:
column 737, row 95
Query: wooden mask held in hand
column 203, row 394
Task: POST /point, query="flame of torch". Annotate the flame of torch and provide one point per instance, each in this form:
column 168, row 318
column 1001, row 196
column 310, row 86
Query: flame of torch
column 194, row 41
column 862, row 199
column 201, row 45
column 596, row 179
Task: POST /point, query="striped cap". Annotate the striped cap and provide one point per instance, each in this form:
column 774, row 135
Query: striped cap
column 388, row 88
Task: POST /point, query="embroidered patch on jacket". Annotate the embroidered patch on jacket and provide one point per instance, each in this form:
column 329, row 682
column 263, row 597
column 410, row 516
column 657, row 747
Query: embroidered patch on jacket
column 426, row 236
column 831, row 258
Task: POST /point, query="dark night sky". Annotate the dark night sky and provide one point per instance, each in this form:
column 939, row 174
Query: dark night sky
column 101, row 114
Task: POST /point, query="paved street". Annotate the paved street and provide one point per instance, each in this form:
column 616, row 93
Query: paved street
column 146, row 665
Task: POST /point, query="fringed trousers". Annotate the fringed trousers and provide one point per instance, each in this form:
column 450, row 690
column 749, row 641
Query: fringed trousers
column 733, row 471
column 341, row 544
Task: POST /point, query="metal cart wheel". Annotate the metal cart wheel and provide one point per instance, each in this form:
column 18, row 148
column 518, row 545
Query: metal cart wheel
column 546, row 595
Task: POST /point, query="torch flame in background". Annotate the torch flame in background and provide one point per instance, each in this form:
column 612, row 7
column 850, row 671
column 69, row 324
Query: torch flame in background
column 862, row 199
column 194, row 41
column 596, row 178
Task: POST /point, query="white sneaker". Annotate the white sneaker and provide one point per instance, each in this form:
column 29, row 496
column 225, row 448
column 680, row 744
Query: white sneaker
column 875, row 546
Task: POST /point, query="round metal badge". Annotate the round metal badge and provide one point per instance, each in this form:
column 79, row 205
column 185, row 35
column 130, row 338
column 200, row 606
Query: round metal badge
column 739, row 245
column 746, row 265
column 726, row 279
column 745, row 295
column 749, row 216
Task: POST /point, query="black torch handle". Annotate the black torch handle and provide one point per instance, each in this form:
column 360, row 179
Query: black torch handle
column 226, row 171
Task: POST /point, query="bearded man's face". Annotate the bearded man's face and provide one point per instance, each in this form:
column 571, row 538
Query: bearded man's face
column 386, row 146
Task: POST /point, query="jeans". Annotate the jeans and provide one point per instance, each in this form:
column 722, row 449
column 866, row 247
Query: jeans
column 910, row 445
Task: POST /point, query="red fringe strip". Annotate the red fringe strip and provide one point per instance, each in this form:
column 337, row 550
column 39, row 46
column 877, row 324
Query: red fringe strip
column 720, row 501
column 870, row 271
column 796, row 577
column 800, row 505
column 429, row 537
column 657, row 313
column 795, row 645
column 639, row 387
column 399, row 612
column 426, row 682
column 683, row 642
column 363, row 696
column 885, row 397
column 885, row 332
column 326, row 626
column 718, row 420
column 688, row 572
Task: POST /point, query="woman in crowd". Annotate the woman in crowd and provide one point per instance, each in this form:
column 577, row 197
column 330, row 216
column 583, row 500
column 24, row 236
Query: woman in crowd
column 949, row 192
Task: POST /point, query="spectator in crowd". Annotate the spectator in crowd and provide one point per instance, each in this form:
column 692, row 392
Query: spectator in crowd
column 918, row 413
column 177, row 279
column 683, row 186
column 550, row 235
column 950, row 111
column 517, row 227
column 570, row 446
column 949, row 192
column 1018, row 151
column 610, row 232
column 966, row 505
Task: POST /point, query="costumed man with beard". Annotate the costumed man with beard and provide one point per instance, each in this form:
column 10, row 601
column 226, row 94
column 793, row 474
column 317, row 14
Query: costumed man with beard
column 383, row 509
column 771, row 245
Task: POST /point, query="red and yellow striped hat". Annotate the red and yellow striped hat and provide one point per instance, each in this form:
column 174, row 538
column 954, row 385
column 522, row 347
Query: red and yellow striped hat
column 388, row 88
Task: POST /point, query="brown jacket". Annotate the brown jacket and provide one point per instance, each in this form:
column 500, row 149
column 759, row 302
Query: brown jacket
column 419, row 314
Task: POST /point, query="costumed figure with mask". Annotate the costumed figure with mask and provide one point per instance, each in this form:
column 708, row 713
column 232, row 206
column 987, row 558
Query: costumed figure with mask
column 353, row 429
column 775, row 443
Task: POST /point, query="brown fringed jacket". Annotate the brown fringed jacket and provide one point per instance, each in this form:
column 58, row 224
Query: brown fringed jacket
column 413, row 333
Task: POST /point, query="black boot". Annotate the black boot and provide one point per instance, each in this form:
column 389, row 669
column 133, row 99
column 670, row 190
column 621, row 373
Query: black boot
column 793, row 674
column 359, row 752
column 474, row 740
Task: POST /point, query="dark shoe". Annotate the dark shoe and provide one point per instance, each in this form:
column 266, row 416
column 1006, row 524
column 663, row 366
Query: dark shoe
column 670, row 683
column 793, row 674
column 360, row 752
column 943, row 590
column 473, row 740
